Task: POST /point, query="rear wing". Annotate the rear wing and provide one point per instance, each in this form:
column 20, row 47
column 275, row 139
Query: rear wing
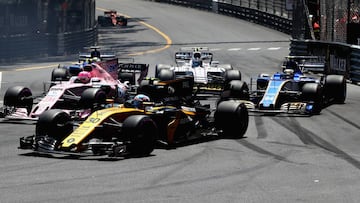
column 141, row 68
column 186, row 56
column 314, row 64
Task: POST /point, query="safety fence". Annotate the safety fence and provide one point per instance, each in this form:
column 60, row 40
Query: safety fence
column 340, row 58
column 275, row 14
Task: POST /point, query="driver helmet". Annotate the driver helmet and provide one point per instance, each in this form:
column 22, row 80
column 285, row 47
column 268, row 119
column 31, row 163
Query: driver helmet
column 139, row 99
column 84, row 76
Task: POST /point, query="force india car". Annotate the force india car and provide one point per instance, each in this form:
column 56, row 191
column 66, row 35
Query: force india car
column 295, row 90
column 64, row 72
column 171, row 117
column 75, row 98
column 111, row 18
column 198, row 63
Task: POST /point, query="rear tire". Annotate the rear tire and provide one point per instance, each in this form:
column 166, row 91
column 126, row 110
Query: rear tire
column 127, row 76
column 60, row 74
column 158, row 67
column 232, row 118
column 92, row 97
column 166, row 74
column 335, row 88
column 232, row 75
column 141, row 131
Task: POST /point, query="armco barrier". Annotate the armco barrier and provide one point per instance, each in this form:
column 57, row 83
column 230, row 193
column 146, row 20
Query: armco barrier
column 340, row 58
column 247, row 13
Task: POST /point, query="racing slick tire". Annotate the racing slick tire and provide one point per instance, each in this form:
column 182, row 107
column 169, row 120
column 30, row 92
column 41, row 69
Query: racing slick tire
column 127, row 76
column 92, row 98
column 60, row 74
column 158, row 67
column 235, row 89
column 19, row 96
column 166, row 74
column 232, row 75
column 232, row 118
column 141, row 132
column 102, row 21
column 313, row 92
column 54, row 124
column 335, row 88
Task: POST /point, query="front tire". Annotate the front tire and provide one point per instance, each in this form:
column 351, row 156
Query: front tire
column 232, row 118
column 19, row 96
column 141, row 131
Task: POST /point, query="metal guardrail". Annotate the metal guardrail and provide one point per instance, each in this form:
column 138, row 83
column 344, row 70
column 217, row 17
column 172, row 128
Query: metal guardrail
column 271, row 14
column 340, row 58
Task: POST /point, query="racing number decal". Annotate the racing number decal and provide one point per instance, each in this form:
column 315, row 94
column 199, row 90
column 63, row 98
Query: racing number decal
column 94, row 120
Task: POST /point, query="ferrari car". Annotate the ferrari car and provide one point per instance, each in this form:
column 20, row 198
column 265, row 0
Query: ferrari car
column 169, row 115
column 197, row 62
column 295, row 90
column 74, row 96
column 112, row 18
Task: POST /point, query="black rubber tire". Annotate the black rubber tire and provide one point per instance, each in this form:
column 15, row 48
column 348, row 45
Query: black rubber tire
column 142, row 133
column 335, row 88
column 127, row 76
column 232, row 75
column 313, row 92
column 166, row 74
column 236, row 89
column 60, row 74
column 158, row 67
column 232, row 118
column 18, row 96
column 54, row 123
column 92, row 97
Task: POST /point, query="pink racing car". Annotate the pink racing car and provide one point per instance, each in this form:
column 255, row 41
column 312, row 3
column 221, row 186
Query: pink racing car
column 106, row 83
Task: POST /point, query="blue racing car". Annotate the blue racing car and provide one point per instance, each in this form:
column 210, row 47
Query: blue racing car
column 294, row 90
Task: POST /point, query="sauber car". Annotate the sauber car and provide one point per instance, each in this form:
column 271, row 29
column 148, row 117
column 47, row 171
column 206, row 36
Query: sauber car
column 112, row 18
column 295, row 90
column 73, row 96
column 171, row 116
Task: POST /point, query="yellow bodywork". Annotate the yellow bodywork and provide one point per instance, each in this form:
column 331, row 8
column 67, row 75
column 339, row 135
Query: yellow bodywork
column 89, row 125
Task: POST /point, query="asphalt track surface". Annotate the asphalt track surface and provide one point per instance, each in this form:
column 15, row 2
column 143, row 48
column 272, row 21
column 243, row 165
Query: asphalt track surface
column 280, row 159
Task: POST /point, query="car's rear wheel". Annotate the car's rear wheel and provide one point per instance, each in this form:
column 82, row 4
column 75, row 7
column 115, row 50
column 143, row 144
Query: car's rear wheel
column 335, row 88
column 235, row 89
column 54, row 124
column 141, row 132
column 232, row 75
column 127, row 76
column 159, row 67
column 60, row 74
column 232, row 118
column 166, row 74
column 92, row 98
column 19, row 96
column 312, row 92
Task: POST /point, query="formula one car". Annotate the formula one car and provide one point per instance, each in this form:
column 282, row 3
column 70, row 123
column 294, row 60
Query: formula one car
column 198, row 63
column 111, row 18
column 65, row 72
column 295, row 90
column 73, row 96
column 131, row 129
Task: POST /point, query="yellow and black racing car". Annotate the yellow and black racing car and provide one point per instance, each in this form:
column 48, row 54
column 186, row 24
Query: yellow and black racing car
column 162, row 111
